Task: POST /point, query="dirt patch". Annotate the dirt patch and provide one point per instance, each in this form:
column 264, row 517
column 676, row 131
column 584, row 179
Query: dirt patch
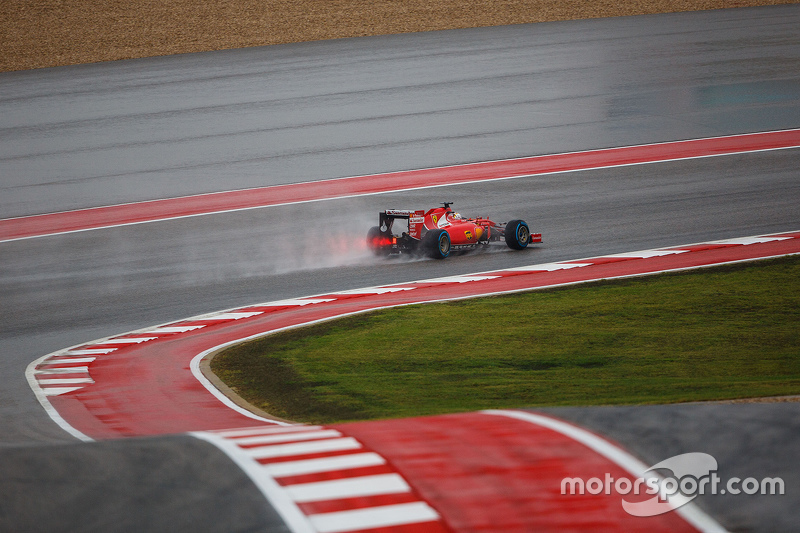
column 61, row 32
column 769, row 399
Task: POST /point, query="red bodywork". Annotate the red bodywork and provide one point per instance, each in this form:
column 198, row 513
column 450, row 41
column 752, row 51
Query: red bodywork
column 462, row 230
column 394, row 236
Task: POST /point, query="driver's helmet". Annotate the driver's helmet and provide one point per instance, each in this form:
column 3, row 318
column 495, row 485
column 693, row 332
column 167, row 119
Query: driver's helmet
column 455, row 216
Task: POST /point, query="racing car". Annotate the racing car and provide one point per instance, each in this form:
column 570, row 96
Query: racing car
column 440, row 230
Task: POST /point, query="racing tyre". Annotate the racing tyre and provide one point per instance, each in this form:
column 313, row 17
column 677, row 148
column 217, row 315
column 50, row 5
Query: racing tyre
column 436, row 244
column 517, row 234
column 374, row 238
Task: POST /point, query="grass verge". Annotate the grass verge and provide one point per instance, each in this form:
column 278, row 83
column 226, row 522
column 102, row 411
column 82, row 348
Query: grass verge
column 722, row 333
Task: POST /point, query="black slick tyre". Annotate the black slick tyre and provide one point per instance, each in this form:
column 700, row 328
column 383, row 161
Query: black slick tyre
column 517, row 234
column 436, row 244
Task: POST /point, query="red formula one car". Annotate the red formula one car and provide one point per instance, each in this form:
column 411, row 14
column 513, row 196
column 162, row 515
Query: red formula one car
column 439, row 231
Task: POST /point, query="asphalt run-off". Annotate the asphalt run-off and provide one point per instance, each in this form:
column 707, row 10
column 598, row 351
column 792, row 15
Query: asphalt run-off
column 40, row 225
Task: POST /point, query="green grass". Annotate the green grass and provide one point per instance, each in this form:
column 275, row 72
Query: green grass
column 722, row 333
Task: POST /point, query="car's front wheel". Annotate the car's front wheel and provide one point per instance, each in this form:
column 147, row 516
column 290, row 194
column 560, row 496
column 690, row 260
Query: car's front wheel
column 517, row 234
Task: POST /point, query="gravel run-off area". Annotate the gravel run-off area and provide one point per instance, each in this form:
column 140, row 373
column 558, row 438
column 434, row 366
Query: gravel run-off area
column 50, row 33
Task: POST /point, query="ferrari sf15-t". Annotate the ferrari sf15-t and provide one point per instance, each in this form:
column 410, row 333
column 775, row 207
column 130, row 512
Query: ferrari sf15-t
column 439, row 231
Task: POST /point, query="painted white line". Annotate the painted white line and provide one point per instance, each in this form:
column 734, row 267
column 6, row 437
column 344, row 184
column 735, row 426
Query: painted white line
column 91, row 351
column 374, row 517
column 751, row 240
column 324, row 464
column 458, row 279
column 263, row 430
column 42, row 396
column 65, row 381
column 299, row 302
column 128, row 340
column 303, row 448
column 374, row 290
column 194, row 367
column 690, row 512
column 64, row 370
column 646, row 254
column 288, row 437
column 55, row 360
column 174, row 329
column 285, row 500
column 580, row 168
column 232, row 316
column 547, row 267
column 57, row 391
column 356, row 487
column 294, row 519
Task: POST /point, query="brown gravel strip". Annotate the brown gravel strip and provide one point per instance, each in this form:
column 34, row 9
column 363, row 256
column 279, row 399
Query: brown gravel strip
column 46, row 33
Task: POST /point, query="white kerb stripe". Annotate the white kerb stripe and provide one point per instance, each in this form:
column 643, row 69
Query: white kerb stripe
column 324, row 464
column 458, row 279
column 64, row 370
column 302, row 448
column 298, row 301
column 65, row 381
column 263, row 430
column 356, row 487
column 56, row 391
column 68, row 360
column 91, row 351
column 231, row 316
column 174, row 329
column 288, row 437
column 128, row 340
column 647, row 254
column 750, row 240
column 374, row 290
column 548, row 267
column 374, row 517
column 295, row 520
column 689, row 512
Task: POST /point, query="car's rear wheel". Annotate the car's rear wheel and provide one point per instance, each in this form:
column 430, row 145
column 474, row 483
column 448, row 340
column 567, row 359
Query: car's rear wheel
column 375, row 241
column 436, row 244
column 517, row 234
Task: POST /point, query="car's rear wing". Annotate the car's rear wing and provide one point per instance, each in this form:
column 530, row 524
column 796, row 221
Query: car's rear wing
column 415, row 219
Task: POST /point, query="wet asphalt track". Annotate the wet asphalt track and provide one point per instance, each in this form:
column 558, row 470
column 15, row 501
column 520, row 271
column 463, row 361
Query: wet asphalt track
column 100, row 134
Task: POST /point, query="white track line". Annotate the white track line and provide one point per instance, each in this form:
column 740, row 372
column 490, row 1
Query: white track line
column 467, row 165
column 324, row 464
column 303, row 448
column 340, row 489
column 272, row 491
column 358, row 487
column 287, row 437
column 374, row 517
